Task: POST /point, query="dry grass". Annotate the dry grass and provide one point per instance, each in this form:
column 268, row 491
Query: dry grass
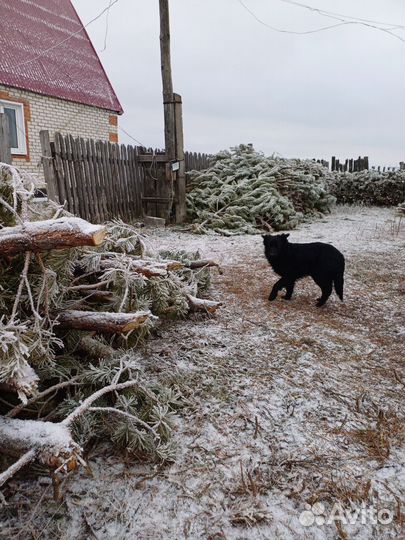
column 344, row 490
column 248, row 514
column 287, row 404
column 388, row 430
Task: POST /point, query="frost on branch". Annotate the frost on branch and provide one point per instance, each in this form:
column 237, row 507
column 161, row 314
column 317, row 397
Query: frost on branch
column 369, row 187
column 50, row 234
column 244, row 191
column 76, row 298
column 14, row 354
column 52, row 442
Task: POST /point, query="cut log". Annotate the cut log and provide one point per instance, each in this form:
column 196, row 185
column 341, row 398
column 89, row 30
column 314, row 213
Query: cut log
column 104, row 321
column 50, row 234
column 52, row 443
column 148, row 268
column 201, row 263
column 94, row 348
column 200, row 304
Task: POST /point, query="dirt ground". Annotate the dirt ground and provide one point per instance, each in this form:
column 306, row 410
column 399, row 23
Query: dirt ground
column 293, row 419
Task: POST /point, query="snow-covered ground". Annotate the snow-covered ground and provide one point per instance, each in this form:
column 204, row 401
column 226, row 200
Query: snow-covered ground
column 287, row 406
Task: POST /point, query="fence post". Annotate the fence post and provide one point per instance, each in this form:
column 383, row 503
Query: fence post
column 366, row 165
column 181, row 173
column 5, row 151
column 47, row 163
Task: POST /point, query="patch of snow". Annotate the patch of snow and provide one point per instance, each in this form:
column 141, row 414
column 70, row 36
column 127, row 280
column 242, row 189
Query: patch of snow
column 286, row 402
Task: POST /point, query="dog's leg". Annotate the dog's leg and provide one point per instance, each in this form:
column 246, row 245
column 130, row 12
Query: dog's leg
column 277, row 287
column 326, row 292
column 289, row 290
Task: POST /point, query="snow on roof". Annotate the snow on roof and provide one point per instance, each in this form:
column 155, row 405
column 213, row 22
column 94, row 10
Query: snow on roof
column 69, row 70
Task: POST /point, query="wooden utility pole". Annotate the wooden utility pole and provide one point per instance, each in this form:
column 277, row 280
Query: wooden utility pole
column 172, row 105
column 5, row 152
column 166, row 67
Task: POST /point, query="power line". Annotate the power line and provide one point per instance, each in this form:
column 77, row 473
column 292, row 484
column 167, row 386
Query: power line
column 69, row 36
column 357, row 20
column 106, row 27
column 343, row 23
column 288, row 31
column 131, row 137
column 346, row 17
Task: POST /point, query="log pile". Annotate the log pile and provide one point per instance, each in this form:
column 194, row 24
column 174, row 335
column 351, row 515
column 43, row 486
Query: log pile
column 75, row 299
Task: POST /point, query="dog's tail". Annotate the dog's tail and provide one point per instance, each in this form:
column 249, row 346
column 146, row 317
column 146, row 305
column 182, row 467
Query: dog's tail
column 338, row 283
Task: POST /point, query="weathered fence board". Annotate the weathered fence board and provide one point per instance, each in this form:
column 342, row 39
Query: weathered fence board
column 5, row 151
column 350, row 165
column 357, row 165
column 157, row 190
column 100, row 180
column 195, row 161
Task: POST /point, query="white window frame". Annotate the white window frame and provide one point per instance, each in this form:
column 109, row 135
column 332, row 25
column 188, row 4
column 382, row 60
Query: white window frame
column 20, row 121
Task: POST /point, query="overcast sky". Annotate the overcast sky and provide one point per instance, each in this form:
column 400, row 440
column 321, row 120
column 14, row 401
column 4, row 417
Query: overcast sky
column 340, row 91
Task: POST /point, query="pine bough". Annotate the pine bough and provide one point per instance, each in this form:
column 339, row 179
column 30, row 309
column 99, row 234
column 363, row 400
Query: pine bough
column 75, row 299
column 244, row 191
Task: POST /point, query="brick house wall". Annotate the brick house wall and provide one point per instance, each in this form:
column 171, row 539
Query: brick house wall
column 54, row 114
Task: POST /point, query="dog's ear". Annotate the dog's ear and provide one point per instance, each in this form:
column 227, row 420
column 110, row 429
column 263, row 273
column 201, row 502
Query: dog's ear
column 285, row 235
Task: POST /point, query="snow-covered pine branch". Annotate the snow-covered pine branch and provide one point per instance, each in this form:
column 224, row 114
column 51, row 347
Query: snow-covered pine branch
column 72, row 293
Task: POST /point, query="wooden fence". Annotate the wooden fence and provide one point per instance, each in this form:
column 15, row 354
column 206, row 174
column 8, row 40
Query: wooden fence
column 383, row 168
column 350, row 165
column 96, row 180
column 359, row 164
column 196, row 161
column 100, row 180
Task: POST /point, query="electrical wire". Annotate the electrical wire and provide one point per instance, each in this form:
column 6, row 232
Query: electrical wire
column 337, row 17
column 42, row 53
column 106, row 27
column 285, row 31
column 346, row 17
column 131, row 137
column 343, row 23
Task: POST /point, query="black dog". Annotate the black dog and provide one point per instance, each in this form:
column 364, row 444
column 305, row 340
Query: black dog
column 323, row 262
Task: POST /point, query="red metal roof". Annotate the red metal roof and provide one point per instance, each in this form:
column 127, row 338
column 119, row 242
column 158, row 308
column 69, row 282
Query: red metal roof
column 70, row 70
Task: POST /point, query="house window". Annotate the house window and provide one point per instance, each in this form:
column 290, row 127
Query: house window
column 15, row 114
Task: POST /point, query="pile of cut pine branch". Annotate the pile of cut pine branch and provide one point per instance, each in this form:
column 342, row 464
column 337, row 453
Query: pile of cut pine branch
column 369, row 187
column 76, row 299
column 244, row 191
